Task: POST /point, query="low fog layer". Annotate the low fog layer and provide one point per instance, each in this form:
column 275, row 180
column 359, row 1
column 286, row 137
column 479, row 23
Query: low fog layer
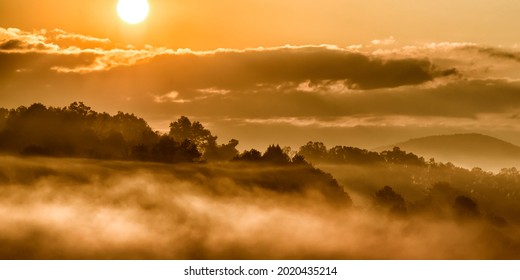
column 75, row 209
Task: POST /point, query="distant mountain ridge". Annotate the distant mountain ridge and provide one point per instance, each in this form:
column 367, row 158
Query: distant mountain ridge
column 466, row 150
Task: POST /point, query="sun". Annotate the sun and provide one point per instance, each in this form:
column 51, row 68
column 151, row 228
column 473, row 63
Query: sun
column 133, row 11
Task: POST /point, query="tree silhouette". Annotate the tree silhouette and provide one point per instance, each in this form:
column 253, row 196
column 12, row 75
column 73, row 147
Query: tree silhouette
column 291, row 176
column 80, row 109
column 391, row 200
column 317, row 152
column 314, row 151
column 168, row 150
column 79, row 131
column 140, row 152
column 465, row 207
column 299, row 159
column 183, row 129
column 251, row 155
column 275, row 155
column 222, row 152
column 343, row 154
column 397, row 156
column 4, row 113
column 187, row 152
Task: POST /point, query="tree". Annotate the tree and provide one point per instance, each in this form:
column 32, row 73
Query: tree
column 164, row 150
column 388, row 198
column 465, row 207
column 251, row 155
column 274, row 154
column 80, row 109
column 4, row 113
column 509, row 172
column 187, row 152
column 113, row 146
column 397, row 156
column 299, row 159
column 134, row 130
column 314, row 151
column 222, row 152
column 344, row 154
column 140, row 152
column 183, row 129
column 170, row 151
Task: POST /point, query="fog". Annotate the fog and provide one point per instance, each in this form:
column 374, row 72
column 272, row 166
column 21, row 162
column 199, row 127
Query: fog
column 88, row 209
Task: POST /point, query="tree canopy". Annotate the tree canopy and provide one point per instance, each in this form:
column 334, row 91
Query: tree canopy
column 183, row 129
column 78, row 131
column 317, row 152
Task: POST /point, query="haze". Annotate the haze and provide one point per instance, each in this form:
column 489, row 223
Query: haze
column 208, row 87
column 83, row 209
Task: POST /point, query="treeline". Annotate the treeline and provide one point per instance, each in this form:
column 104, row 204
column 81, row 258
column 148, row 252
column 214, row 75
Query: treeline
column 78, row 131
column 438, row 189
column 434, row 188
column 317, row 152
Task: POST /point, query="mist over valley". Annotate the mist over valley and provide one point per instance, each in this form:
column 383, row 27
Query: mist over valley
column 110, row 188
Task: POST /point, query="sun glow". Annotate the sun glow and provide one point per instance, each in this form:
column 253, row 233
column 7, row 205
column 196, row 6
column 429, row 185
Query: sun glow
column 133, row 11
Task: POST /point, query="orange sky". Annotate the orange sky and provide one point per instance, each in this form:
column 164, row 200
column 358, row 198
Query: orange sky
column 209, row 24
column 362, row 73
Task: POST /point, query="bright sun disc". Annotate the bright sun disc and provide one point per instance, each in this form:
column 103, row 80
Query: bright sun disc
column 133, row 11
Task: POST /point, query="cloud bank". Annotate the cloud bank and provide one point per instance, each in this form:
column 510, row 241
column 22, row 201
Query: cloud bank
column 459, row 82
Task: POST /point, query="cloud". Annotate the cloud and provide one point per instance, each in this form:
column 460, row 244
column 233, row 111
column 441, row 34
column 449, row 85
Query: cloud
column 64, row 38
column 226, row 68
column 50, row 40
column 461, row 99
column 105, row 60
column 505, row 121
column 18, row 44
column 13, row 39
column 171, row 96
column 305, row 86
column 214, row 91
column 233, row 69
column 361, row 67
column 497, row 53
column 387, row 41
column 288, row 81
column 60, row 45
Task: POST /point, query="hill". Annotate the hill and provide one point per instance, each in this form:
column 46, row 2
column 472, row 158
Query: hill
column 466, row 150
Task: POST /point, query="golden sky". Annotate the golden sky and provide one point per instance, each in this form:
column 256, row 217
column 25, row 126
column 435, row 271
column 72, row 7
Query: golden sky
column 209, row 24
column 363, row 73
